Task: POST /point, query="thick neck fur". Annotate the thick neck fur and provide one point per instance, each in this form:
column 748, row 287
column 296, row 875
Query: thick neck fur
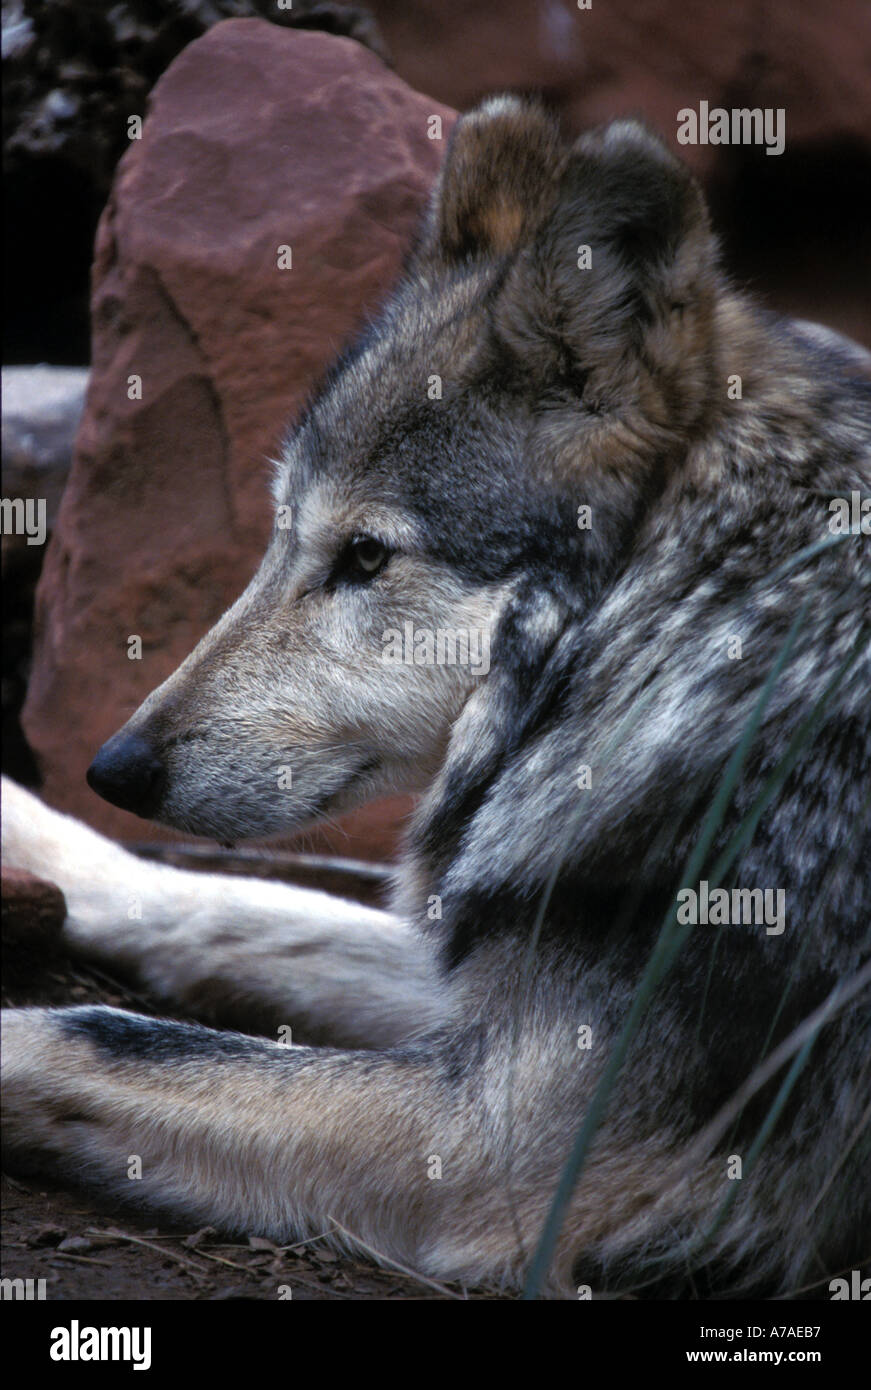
column 624, row 676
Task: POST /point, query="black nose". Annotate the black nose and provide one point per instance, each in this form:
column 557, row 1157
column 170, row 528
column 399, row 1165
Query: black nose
column 128, row 772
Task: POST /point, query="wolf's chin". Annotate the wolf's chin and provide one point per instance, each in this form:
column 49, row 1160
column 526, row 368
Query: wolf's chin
column 228, row 828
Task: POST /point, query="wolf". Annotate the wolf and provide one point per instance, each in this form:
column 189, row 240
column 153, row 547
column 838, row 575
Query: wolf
column 535, row 1070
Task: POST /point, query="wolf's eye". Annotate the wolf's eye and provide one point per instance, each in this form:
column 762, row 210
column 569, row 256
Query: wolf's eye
column 366, row 557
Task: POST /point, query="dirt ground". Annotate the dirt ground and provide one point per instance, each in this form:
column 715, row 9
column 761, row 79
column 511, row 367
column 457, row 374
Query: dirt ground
column 85, row 1251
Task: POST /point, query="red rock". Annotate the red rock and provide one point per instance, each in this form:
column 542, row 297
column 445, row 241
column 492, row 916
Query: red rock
column 33, row 910
column 256, row 138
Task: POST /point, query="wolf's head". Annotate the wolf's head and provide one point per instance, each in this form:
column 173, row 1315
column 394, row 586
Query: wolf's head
column 473, row 471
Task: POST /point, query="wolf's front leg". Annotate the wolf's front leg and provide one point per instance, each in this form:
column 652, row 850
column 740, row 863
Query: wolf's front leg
column 240, row 951
column 400, row 1147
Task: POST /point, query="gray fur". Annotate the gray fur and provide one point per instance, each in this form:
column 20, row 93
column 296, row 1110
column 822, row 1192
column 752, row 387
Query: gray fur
column 561, row 387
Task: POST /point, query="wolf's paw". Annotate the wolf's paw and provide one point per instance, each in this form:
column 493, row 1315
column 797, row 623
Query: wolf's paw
column 97, row 877
column 32, row 833
column 49, row 844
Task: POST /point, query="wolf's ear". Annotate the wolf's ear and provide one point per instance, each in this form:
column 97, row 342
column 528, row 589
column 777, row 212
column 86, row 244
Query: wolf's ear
column 616, row 288
column 497, row 180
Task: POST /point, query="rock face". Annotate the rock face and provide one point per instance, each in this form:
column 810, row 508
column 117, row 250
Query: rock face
column 74, row 72
column 203, row 351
